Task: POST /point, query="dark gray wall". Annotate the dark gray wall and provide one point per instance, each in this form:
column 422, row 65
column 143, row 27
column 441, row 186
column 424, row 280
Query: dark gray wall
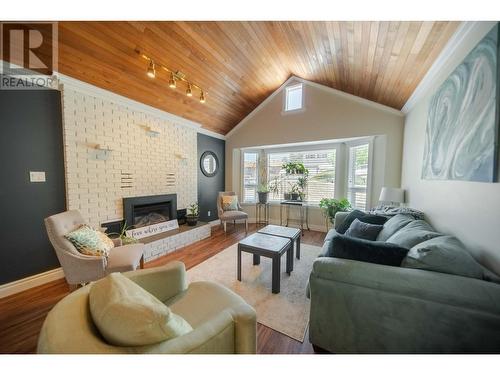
column 209, row 187
column 30, row 140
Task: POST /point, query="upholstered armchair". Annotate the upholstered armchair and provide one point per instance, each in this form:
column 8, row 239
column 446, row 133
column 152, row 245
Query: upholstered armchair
column 226, row 216
column 222, row 321
column 79, row 268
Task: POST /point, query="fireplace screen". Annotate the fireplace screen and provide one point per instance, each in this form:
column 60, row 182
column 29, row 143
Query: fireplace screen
column 150, row 214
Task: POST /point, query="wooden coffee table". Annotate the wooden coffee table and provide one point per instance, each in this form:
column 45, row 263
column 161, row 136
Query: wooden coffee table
column 293, row 234
column 270, row 247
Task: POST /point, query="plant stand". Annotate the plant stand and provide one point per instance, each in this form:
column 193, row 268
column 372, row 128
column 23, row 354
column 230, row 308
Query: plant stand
column 262, row 209
column 303, row 213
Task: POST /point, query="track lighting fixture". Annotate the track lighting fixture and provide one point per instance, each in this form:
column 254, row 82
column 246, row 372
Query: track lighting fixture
column 174, row 76
column 171, row 81
column 151, row 69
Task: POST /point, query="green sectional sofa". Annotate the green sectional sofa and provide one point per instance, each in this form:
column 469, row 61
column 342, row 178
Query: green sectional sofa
column 360, row 307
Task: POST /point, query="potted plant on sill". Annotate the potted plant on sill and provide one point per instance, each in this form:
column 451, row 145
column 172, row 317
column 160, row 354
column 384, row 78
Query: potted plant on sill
column 263, row 193
column 330, row 207
column 192, row 216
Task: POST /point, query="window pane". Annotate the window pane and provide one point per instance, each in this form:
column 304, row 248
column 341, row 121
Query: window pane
column 358, row 176
column 249, row 176
column 293, row 98
column 321, row 166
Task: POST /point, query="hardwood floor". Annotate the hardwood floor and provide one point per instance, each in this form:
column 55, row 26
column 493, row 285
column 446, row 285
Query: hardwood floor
column 22, row 314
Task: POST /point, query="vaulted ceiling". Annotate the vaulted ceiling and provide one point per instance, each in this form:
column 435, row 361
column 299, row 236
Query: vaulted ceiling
column 240, row 63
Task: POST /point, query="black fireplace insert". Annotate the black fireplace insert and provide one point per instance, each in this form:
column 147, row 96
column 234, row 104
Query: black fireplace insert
column 152, row 209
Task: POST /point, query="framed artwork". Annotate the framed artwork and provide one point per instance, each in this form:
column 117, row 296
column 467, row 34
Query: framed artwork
column 461, row 140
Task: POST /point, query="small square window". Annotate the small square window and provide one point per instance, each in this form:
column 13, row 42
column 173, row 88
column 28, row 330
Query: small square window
column 293, row 97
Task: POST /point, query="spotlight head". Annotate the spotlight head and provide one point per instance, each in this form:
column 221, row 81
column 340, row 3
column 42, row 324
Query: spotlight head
column 151, row 69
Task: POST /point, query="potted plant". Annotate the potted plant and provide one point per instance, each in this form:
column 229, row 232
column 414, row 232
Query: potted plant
column 125, row 240
column 274, row 186
column 192, row 216
column 330, row 207
column 295, row 193
column 293, row 167
column 263, row 193
column 302, row 184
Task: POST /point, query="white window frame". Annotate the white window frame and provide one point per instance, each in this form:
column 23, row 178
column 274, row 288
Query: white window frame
column 359, row 142
column 341, row 165
column 286, row 111
column 242, row 169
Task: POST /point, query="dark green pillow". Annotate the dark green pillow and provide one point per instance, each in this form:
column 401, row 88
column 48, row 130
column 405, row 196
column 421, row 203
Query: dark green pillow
column 344, row 226
column 366, row 251
column 366, row 231
column 361, row 216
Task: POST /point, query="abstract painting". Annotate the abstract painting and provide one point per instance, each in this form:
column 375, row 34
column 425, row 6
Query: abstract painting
column 462, row 126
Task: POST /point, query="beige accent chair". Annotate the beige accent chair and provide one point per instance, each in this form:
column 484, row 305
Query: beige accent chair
column 79, row 268
column 226, row 216
column 222, row 321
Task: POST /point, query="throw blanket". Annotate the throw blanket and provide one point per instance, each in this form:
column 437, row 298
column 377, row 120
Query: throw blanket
column 393, row 211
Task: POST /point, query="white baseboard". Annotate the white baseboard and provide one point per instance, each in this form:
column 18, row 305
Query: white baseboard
column 30, row 282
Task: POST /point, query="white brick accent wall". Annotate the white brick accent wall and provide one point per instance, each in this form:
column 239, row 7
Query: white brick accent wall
column 94, row 186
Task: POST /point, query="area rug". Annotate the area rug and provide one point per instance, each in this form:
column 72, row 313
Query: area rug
column 286, row 312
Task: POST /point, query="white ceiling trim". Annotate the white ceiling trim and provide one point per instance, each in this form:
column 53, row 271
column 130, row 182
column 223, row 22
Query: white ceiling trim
column 330, row 90
column 432, row 74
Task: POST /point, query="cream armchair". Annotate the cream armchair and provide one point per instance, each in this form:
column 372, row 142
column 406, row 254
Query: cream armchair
column 226, row 216
column 222, row 321
column 79, row 268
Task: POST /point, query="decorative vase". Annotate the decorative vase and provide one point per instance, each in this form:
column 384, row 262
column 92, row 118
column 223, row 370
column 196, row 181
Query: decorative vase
column 191, row 220
column 295, row 196
column 287, row 196
column 263, row 196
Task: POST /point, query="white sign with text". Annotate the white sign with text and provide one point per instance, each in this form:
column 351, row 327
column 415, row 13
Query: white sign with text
column 151, row 230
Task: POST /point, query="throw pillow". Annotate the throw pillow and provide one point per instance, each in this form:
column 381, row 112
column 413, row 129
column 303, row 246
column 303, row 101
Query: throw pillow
column 361, row 216
column 128, row 315
column 359, row 229
column 412, row 234
column 392, row 225
column 444, row 254
column 230, row 203
column 344, row 226
column 374, row 219
column 367, row 251
column 89, row 241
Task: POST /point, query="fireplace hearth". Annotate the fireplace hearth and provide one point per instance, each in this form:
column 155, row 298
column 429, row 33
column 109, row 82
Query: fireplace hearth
column 152, row 209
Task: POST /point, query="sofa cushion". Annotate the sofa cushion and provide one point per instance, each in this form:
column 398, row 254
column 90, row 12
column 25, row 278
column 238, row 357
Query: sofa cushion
column 359, row 229
column 444, row 254
column 392, row 225
column 367, row 251
column 412, row 234
column 127, row 315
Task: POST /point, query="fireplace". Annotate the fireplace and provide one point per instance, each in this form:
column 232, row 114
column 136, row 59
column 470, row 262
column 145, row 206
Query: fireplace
column 152, row 209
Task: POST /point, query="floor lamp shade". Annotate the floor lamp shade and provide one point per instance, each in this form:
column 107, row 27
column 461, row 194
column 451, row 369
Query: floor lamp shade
column 393, row 195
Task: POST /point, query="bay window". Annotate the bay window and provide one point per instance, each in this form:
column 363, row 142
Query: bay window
column 335, row 170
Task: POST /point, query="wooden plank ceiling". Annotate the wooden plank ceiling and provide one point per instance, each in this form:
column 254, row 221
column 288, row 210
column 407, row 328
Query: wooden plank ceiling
column 240, row 63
